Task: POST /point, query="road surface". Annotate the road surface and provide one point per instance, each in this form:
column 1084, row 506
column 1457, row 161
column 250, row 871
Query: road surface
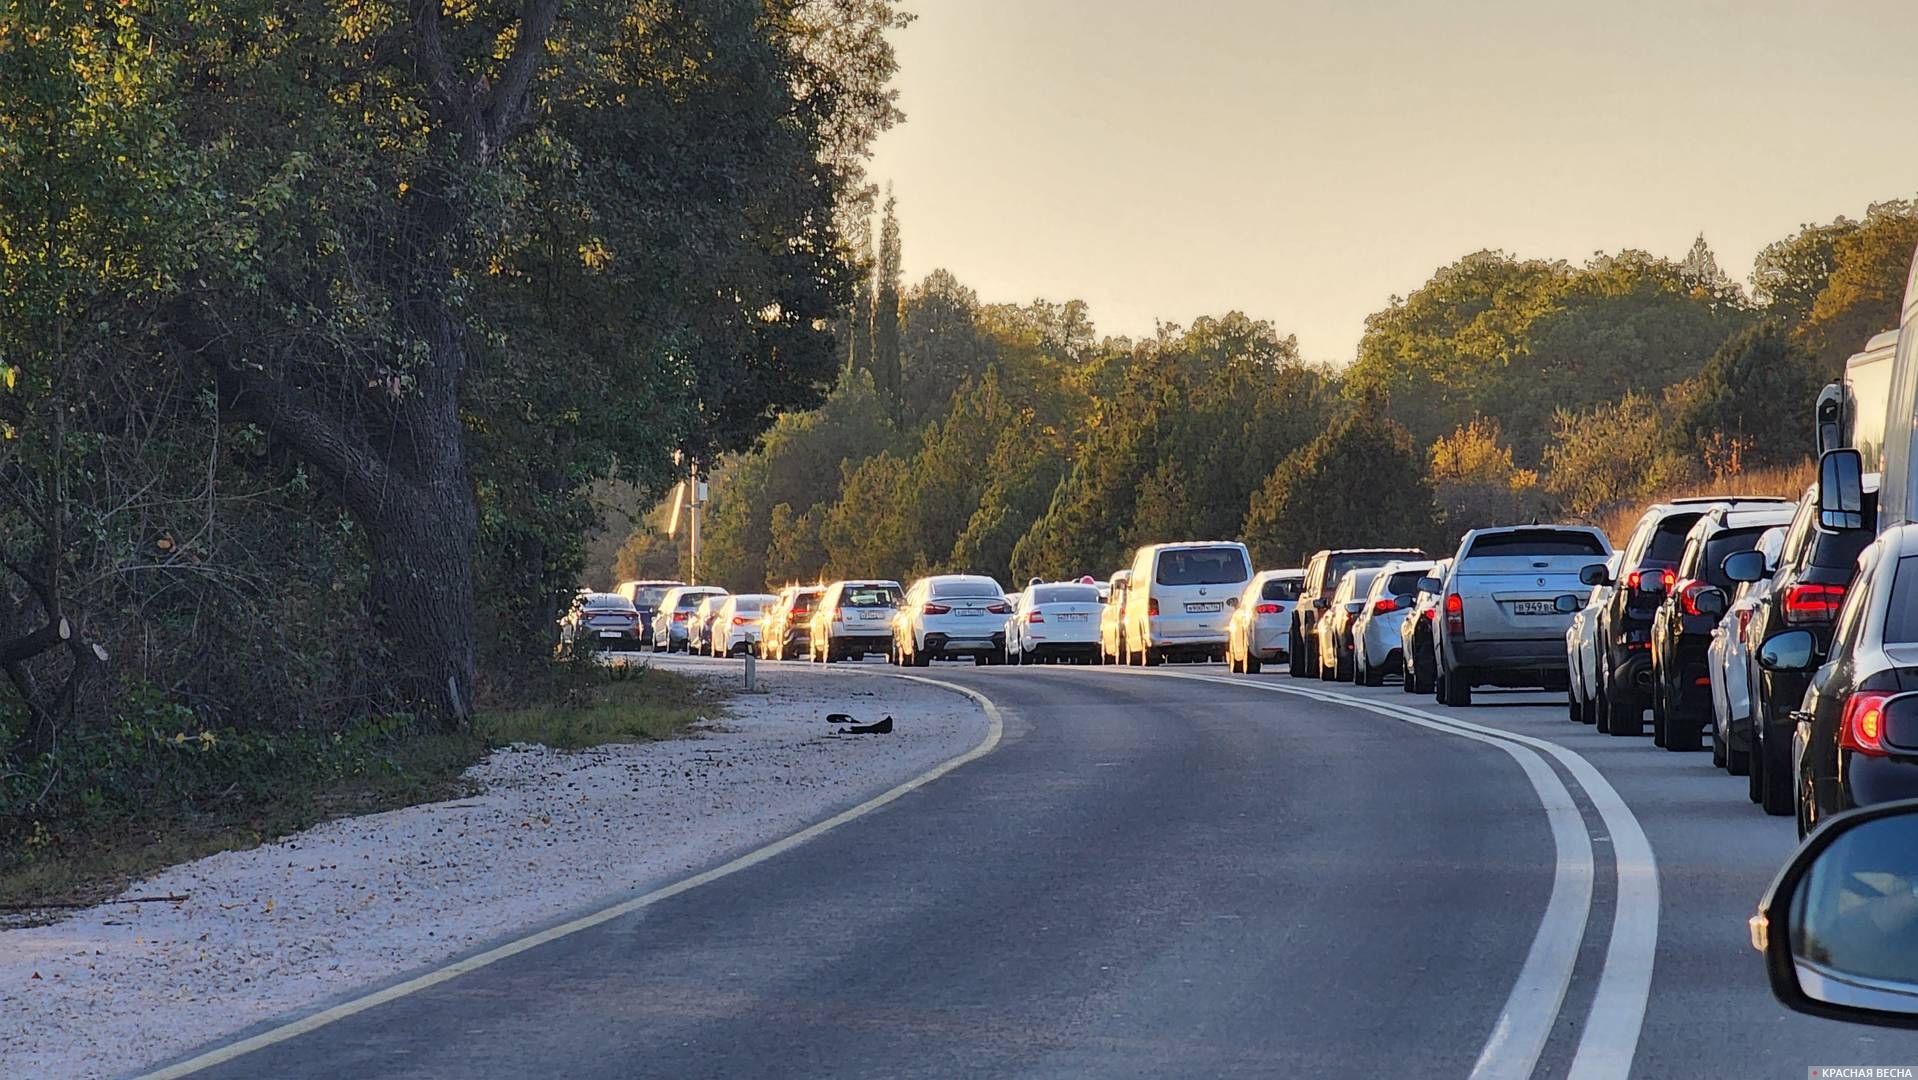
column 1180, row 872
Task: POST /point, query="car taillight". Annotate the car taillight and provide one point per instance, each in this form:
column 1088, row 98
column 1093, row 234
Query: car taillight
column 741, row 620
column 1632, row 579
column 1268, row 609
column 1380, row 607
column 999, row 609
column 838, row 616
column 679, row 616
column 1688, row 595
column 1035, row 617
column 1807, row 603
column 1431, row 614
column 1454, row 613
column 1863, row 729
column 936, row 609
column 1152, row 606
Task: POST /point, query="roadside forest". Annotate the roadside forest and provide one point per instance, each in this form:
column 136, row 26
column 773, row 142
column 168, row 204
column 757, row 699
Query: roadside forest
column 1013, row 439
column 319, row 322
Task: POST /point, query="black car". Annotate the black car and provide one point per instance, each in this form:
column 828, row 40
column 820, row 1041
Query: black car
column 1855, row 737
column 1682, row 627
column 1322, row 575
column 1814, row 570
column 1646, row 573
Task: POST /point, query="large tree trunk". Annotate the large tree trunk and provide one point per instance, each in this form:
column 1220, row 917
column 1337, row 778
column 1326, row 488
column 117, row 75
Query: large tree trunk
column 422, row 550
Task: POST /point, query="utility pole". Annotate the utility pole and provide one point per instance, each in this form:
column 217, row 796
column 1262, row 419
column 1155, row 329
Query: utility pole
column 695, row 499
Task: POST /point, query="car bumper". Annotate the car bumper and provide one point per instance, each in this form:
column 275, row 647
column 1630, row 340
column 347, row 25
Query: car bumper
column 1873, row 780
column 969, row 645
column 1630, row 682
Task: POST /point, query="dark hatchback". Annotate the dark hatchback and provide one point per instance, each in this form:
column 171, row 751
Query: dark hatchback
column 1855, row 738
column 1682, row 628
column 1814, row 570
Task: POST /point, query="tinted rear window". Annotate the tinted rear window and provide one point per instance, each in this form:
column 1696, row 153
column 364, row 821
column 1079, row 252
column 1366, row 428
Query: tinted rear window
column 1540, row 542
column 650, row 598
column 1404, row 583
column 868, row 596
column 1202, row 566
column 1065, row 594
column 692, row 600
column 982, row 587
column 1281, row 589
column 607, row 602
column 1668, row 543
column 1729, row 542
column 1901, row 619
column 1337, row 565
column 1840, row 550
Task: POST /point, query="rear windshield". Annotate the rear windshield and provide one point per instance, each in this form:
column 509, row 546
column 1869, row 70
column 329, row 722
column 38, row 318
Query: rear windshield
column 1404, row 583
column 752, row 603
column 1282, row 589
column 804, row 601
column 1729, row 542
column 650, row 596
column 1901, row 619
column 1202, row 566
column 1539, row 542
column 1840, row 550
column 1668, row 541
column 689, row 601
column 868, row 596
column 1065, row 594
column 607, row 602
column 982, row 587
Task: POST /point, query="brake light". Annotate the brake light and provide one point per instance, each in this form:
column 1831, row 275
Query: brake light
column 1431, row 614
column 1152, row 607
column 1807, row 603
column 1632, row 579
column 1268, row 609
column 1454, row 613
column 1380, row 607
column 741, row 620
column 838, row 616
column 1688, row 595
column 679, row 616
column 1863, row 729
column 1035, row 617
column 936, row 609
column 999, row 609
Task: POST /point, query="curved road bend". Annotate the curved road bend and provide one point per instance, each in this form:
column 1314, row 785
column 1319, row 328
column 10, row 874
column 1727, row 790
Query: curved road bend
column 1149, row 877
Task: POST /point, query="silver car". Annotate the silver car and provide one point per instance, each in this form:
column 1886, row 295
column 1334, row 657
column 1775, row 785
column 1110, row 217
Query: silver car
column 1378, row 630
column 675, row 613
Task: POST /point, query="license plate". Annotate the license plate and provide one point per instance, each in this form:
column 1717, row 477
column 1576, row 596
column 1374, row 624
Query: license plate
column 1534, row 607
column 967, row 614
column 1072, row 618
column 1195, row 608
column 609, row 633
column 872, row 615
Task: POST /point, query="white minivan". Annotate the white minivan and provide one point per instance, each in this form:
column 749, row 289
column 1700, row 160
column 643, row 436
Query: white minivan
column 1179, row 598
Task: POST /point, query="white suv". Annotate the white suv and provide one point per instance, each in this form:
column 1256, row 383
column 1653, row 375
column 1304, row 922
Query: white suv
column 852, row 619
column 951, row 615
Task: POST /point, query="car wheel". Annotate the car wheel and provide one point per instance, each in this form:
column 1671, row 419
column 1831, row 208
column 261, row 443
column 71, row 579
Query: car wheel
column 1737, row 762
column 1573, row 709
column 1153, row 657
column 1295, row 658
column 1718, row 746
column 1250, row 664
column 1807, row 815
column 1232, row 662
column 1455, row 690
column 1623, row 720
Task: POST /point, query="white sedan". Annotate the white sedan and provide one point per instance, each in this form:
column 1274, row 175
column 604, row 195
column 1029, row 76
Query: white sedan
column 1054, row 622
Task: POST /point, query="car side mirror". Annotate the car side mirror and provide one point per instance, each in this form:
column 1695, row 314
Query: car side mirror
column 1596, row 574
column 1353, row 607
column 1567, row 604
column 1321, row 604
column 1429, row 585
column 1745, row 566
column 1792, row 650
column 1841, row 490
column 1836, row 926
column 1711, row 601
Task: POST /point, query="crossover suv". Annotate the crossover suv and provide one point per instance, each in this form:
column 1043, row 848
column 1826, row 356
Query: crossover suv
column 785, row 632
column 951, row 615
column 1501, row 622
column 645, row 596
column 1682, row 626
column 675, row 613
column 1322, row 574
column 853, row 618
column 1378, row 630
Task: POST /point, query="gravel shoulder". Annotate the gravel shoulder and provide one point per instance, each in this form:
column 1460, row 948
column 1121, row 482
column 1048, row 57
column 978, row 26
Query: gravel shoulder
column 358, row 901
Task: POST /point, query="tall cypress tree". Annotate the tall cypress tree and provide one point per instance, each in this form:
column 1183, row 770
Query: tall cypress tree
column 885, row 311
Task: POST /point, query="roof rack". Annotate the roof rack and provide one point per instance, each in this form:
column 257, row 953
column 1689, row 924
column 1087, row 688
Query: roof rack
column 1697, row 500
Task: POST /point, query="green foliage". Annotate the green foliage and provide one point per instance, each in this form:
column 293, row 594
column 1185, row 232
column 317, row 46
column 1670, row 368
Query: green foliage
column 1475, row 484
column 1738, row 411
column 1361, row 484
column 1866, row 286
column 1614, row 453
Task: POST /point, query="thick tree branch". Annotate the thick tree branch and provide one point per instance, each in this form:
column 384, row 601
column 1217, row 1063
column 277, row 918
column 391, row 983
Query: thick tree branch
column 26, row 648
column 506, row 105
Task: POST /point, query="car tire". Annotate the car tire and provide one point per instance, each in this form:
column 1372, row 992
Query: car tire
column 1251, row 664
column 1295, row 658
column 1369, row 677
column 1737, row 762
column 1623, row 720
column 1153, row 657
column 1778, row 792
column 1573, row 710
column 1455, row 690
column 1718, row 746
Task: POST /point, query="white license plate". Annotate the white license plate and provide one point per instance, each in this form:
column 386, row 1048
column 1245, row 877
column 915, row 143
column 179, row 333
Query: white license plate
column 967, row 614
column 609, row 633
column 1072, row 618
column 872, row 615
column 1196, row 608
column 1534, row 607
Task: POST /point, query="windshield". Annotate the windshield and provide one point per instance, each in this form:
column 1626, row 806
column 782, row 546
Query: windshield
column 1202, row 566
column 1536, row 542
column 868, row 596
column 1281, row 589
column 1065, row 594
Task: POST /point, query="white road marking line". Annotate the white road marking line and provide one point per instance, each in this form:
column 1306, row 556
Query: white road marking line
column 1518, row 1037
column 221, row 1055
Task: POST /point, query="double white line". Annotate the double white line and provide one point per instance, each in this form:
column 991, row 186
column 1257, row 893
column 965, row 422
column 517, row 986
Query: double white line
column 1610, row 1035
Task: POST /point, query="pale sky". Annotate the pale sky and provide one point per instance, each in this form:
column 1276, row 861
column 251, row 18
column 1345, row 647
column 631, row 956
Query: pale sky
column 1304, row 160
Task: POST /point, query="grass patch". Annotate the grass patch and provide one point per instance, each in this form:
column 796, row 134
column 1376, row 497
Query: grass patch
column 155, row 794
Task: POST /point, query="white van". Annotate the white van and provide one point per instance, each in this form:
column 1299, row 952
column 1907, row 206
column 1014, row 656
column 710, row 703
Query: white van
column 1179, row 598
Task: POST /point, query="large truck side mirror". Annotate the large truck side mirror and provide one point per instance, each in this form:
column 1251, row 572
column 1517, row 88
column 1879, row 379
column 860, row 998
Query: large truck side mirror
column 1831, row 418
column 1841, row 490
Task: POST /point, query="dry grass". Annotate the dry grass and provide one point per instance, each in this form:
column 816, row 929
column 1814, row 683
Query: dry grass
column 1786, row 481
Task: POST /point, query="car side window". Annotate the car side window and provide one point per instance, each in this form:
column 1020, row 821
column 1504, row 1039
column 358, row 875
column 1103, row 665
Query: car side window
column 1851, row 615
column 1799, row 535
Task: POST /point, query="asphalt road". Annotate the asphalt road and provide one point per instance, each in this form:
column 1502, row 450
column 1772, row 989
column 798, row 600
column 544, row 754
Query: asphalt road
column 1181, row 872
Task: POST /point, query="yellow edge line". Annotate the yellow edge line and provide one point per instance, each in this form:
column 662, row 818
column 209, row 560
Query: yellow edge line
column 302, row 1026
